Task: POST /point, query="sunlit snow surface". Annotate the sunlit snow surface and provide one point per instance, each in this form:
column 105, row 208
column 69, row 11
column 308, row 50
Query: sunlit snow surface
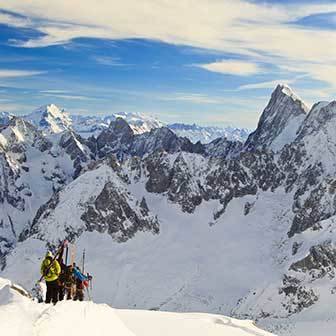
column 21, row 316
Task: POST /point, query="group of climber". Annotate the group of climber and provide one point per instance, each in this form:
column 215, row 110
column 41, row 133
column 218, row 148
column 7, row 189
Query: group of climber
column 63, row 280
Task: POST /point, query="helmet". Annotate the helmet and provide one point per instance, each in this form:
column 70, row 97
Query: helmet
column 49, row 254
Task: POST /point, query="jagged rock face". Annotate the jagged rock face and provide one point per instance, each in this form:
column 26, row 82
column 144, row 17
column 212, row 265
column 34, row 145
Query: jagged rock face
column 111, row 213
column 161, row 139
column 222, row 147
column 9, row 192
column 184, row 189
column 188, row 179
column 5, row 246
column 297, row 296
column 279, row 122
column 99, row 201
column 320, row 261
column 159, row 175
column 310, row 164
column 242, row 176
column 117, row 139
column 312, row 206
column 120, row 140
column 74, row 146
column 33, row 166
column 318, row 119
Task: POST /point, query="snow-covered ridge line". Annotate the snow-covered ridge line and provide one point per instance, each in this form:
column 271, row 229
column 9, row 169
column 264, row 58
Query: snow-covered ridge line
column 51, row 118
column 22, row 316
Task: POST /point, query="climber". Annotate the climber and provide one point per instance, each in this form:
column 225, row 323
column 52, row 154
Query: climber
column 50, row 270
column 81, row 283
column 69, row 282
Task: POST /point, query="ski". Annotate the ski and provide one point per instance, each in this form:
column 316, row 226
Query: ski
column 64, row 243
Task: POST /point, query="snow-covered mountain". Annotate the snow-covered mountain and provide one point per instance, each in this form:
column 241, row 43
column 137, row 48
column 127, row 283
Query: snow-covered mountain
column 19, row 315
column 280, row 121
column 239, row 229
column 207, row 134
column 119, row 139
column 53, row 119
column 87, row 126
column 4, row 118
column 33, row 166
column 50, row 118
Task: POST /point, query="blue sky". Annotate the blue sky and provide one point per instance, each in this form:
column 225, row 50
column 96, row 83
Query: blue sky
column 213, row 63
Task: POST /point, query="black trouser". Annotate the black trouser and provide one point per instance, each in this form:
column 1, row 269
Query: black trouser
column 52, row 291
column 61, row 292
column 79, row 295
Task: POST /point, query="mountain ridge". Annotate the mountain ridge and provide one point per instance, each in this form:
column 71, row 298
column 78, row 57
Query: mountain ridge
column 243, row 229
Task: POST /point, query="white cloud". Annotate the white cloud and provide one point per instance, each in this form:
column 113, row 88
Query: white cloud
column 6, row 73
column 109, row 61
column 232, row 67
column 259, row 32
column 69, row 96
column 12, row 20
column 54, row 91
column 195, row 98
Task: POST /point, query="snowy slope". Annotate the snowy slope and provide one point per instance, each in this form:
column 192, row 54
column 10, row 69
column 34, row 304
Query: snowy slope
column 21, row 316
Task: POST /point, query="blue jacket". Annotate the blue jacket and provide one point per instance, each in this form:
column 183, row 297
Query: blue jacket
column 78, row 275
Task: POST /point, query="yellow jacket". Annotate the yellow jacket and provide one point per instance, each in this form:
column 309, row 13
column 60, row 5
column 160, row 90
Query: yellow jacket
column 53, row 272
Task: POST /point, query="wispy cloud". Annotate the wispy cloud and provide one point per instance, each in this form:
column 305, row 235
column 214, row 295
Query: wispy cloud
column 109, row 61
column 7, row 73
column 54, row 91
column 14, row 20
column 70, row 96
column 195, row 98
column 265, row 85
column 232, row 67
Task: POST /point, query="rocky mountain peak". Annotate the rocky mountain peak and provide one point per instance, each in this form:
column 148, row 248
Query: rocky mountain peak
column 50, row 118
column 120, row 126
column 5, row 117
column 280, row 120
column 319, row 116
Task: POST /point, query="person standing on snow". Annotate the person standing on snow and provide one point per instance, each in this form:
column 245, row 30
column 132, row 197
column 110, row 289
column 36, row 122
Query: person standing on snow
column 51, row 269
column 81, row 284
column 69, row 282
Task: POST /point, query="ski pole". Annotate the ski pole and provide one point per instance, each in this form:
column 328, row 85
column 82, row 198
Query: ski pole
column 66, row 255
column 83, row 261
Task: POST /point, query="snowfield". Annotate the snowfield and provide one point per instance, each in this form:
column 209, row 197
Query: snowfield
column 20, row 316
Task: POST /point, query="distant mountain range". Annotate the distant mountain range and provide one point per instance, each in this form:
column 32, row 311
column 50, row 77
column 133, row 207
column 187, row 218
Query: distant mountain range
column 55, row 119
